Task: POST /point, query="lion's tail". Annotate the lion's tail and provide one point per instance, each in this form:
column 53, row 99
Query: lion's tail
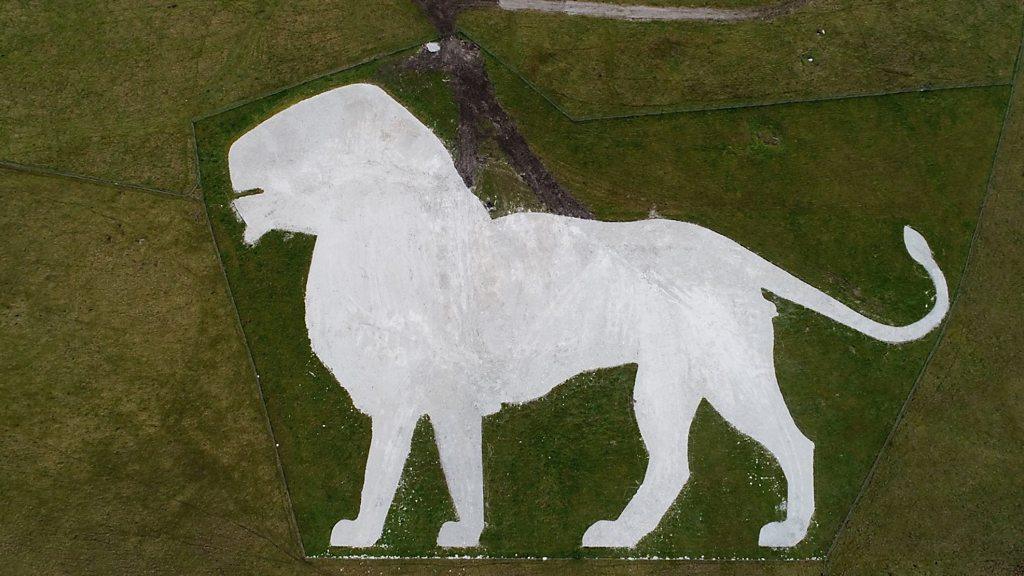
column 792, row 288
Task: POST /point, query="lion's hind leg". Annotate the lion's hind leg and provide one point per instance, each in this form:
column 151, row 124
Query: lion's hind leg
column 459, row 440
column 663, row 413
column 753, row 404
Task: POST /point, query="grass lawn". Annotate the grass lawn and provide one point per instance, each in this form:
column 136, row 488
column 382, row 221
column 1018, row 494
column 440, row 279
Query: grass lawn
column 843, row 177
column 589, row 66
column 132, row 434
column 947, row 497
column 840, row 176
column 108, row 88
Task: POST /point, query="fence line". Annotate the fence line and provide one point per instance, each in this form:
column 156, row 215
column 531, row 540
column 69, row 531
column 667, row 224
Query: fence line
column 47, row 171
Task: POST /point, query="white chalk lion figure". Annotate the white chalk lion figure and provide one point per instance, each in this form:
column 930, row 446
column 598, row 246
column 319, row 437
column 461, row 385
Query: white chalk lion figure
column 420, row 304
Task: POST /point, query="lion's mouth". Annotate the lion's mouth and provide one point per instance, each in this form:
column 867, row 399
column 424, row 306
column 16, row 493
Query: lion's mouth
column 246, row 206
column 249, row 192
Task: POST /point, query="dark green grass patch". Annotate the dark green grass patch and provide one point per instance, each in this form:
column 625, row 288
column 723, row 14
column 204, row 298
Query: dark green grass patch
column 598, row 67
column 823, row 190
column 499, row 187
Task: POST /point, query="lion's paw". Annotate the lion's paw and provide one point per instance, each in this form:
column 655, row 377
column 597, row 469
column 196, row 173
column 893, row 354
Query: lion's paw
column 782, row 534
column 459, row 535
column 354, row 534
column 610, row 534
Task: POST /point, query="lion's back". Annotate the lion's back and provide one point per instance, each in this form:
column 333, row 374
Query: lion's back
column 679, row 254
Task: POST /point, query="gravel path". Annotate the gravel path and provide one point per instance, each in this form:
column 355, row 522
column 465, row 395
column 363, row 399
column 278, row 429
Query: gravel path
column 636, row 12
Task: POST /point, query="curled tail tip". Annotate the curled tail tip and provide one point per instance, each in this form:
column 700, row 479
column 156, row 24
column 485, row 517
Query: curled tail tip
column 916, row 245
column 919, row 250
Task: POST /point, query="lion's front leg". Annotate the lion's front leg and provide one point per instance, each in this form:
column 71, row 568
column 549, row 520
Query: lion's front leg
column 389, row 448
column 459, row 445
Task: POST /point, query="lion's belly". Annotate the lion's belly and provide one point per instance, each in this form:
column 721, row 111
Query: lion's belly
column 557, row 307
column 582, row 295
column 560, row 354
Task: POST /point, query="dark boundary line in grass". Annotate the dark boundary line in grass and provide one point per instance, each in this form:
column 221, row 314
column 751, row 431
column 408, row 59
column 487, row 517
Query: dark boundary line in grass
column 724, row 106
column 293, row 524
column 47, row 171
column 769, row 103
column 461, row 32
column 961, row 287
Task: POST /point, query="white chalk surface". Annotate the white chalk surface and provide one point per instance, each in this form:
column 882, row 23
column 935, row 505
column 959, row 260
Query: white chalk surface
column 420, row 304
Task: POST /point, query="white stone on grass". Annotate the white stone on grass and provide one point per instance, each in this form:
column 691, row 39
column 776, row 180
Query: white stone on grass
column 420, row 304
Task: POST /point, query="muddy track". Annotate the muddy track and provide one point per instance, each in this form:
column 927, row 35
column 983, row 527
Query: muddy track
column 638, row 12
column 480, row 114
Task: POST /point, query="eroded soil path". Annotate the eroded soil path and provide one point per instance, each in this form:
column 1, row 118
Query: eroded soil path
column 480, row 114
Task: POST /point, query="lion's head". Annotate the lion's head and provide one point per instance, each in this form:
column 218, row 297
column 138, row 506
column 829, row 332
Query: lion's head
column 316, row 161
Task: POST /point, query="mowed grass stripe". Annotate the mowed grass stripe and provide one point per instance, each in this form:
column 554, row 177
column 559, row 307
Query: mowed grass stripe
column 43, row 170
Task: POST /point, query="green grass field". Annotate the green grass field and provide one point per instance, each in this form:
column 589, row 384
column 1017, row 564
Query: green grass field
column 946, row 496
column 133, row 435
column 109, row 88
column 589, row 66
column 775, row 179
column 131, row 430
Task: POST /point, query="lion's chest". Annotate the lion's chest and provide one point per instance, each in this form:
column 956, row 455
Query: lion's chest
column 390, row 312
